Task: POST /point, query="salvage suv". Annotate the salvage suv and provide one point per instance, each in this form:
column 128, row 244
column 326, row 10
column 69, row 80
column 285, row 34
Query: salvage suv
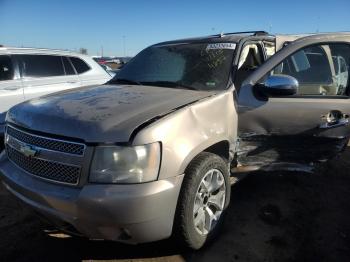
column 150, row 154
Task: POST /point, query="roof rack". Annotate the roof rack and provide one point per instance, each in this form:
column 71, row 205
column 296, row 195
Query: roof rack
column 255, row 33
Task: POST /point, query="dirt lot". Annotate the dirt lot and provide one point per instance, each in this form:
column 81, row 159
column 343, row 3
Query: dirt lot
column 273, row 217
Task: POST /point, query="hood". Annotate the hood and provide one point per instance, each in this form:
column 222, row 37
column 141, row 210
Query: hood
column 100, row 114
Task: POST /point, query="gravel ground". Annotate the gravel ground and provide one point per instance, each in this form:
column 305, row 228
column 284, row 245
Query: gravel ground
column 274, row 216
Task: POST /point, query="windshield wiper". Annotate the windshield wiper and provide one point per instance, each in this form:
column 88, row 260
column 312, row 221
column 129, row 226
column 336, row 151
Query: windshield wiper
column 123, row 81
column 169, row 84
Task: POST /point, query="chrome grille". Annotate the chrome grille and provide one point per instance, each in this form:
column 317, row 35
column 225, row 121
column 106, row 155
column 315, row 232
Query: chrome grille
column 48, row 143
column 45, row 169
column 51, row 159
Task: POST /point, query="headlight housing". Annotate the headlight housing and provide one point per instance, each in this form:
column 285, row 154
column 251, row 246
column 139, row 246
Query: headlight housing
column 125, row 164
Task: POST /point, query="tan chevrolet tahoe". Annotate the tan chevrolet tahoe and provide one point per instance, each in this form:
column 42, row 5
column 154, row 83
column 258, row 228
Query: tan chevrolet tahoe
column 150, row 154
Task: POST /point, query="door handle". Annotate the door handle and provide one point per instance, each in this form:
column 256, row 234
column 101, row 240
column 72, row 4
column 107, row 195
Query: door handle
column 72, row 82
column 340, row 122
column 334, row 118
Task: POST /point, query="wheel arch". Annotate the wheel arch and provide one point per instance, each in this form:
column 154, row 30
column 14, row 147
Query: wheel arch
column 220, row 148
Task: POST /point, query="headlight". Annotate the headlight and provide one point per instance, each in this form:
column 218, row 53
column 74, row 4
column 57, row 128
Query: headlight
column 119, row 164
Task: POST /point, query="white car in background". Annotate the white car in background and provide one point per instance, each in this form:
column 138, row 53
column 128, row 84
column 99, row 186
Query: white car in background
column 109, row 70
column 27, row 73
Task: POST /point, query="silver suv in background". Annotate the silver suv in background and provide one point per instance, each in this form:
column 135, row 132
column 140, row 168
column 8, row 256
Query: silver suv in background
column 27, row 73
column 150, row 153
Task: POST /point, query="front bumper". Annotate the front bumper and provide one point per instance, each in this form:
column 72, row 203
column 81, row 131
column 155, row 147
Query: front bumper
column 134, row 213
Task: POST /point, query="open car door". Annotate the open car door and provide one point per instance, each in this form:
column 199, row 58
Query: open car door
column 295, row 107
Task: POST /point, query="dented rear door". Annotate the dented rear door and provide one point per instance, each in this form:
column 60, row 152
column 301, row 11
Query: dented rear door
column 312, row 125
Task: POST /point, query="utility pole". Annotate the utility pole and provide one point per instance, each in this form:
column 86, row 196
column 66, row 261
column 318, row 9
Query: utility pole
column 101, row 50
column 124, row 45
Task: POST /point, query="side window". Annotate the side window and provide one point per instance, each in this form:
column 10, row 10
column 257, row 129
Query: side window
column 336, row 65
column 270, row 49
column 68, row 68
column 321, row 70
column 6, row 68
column 41, row 65
column 343, row 65
column 251, row 58
column 79, row 65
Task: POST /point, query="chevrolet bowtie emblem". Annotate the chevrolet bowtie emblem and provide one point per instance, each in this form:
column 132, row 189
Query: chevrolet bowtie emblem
column 28, row 151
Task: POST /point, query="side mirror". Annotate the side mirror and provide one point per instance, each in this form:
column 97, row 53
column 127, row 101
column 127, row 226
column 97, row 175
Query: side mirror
column 279, row 85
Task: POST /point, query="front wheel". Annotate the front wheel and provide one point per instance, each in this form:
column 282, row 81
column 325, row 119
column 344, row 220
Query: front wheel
column 204, row 196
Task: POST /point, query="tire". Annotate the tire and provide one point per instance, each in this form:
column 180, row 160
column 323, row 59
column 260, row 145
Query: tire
column 189, row 227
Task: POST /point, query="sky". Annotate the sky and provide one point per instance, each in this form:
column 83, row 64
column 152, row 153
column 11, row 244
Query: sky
column 126, row 27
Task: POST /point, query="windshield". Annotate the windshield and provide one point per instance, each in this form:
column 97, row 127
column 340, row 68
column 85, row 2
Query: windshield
column 204, row 66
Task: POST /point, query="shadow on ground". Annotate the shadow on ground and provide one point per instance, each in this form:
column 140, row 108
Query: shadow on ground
column 274, row 216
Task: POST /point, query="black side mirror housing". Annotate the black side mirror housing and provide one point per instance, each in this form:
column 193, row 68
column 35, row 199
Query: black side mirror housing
column 279, row 85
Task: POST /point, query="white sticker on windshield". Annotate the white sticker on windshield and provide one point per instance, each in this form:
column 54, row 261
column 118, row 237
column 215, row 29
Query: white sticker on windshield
column 221, row 46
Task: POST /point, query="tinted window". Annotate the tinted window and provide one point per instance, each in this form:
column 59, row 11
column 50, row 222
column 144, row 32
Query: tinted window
column 41, row 65
column 6, row 68
column 317, row 69
column 204, row 66
column 68, row 66
column 79, row 65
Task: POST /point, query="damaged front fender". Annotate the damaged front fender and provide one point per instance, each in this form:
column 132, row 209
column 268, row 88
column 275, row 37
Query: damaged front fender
column 190, row 130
